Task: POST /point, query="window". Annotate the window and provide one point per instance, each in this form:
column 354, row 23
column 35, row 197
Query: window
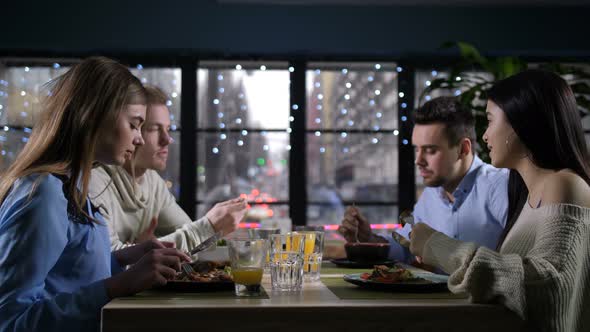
column 352, row 142
column 22, row 89
column 243, row 136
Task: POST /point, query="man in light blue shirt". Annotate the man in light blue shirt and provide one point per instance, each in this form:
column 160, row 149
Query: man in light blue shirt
column 464, row 197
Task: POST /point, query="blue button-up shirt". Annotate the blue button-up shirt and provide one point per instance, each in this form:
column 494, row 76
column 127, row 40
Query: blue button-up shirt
column 52, row 269
column 478, row 213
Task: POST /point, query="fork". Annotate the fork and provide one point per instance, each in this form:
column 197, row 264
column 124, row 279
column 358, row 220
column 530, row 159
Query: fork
column 187, row 269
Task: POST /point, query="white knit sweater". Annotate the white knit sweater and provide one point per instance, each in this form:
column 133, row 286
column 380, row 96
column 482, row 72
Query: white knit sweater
column 129, row 213
column 541, row 272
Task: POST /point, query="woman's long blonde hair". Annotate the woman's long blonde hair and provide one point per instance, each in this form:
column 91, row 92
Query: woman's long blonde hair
column 90, row 96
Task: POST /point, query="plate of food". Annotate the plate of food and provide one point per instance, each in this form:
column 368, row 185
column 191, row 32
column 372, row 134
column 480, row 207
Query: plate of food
column 400, row 279
column 208, row 277
column 343, row 262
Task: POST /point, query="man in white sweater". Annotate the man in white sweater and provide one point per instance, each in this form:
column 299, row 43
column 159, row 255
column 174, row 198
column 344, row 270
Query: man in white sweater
column 136, row 202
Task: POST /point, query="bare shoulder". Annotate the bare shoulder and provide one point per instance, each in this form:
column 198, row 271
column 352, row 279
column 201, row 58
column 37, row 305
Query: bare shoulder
column 567, row 187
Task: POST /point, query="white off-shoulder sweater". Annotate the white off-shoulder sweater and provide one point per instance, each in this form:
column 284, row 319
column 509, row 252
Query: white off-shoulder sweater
column 541, row 271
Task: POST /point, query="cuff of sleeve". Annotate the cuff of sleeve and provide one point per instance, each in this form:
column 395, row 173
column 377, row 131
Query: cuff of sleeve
column 205, row 227
column 96, row 293
column 438, row 250
column 398, row 252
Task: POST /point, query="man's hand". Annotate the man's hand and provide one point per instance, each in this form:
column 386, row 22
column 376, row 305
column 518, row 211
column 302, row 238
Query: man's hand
column 148, row 234
column 356, row 227
column 226, row 216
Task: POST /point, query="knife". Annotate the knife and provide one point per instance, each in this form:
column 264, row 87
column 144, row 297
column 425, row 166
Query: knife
column 206, row 244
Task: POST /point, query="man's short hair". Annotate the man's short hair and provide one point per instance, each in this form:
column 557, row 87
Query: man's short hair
column 457, row 118
column 155, row 96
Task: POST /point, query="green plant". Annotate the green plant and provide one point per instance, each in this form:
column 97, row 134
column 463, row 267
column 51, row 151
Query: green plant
column 475, row 74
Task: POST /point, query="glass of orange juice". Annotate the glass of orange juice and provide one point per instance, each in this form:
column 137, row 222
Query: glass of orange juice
column 312, row 254
column 247, row 258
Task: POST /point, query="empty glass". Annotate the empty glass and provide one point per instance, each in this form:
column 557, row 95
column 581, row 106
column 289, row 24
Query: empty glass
column 286, row 271
column 263, row 233
column 286, row 261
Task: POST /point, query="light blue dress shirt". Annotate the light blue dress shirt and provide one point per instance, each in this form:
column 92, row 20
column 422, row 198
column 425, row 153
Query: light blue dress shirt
column 52, row 269
column 478, row 214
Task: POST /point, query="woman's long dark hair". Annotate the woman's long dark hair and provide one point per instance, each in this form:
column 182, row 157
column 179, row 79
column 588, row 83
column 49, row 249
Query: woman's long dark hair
column 541, row 108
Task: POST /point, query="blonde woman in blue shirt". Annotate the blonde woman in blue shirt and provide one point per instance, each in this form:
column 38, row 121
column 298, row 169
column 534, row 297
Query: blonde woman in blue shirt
column 464, row 197
column 56, row 266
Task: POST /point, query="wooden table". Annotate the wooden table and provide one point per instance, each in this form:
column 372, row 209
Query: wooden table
column 315, row 308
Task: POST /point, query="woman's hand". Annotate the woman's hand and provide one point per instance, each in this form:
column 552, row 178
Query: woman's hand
column 418, row 238
column 154, row 268
column 149, row 233
column 130, row 255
